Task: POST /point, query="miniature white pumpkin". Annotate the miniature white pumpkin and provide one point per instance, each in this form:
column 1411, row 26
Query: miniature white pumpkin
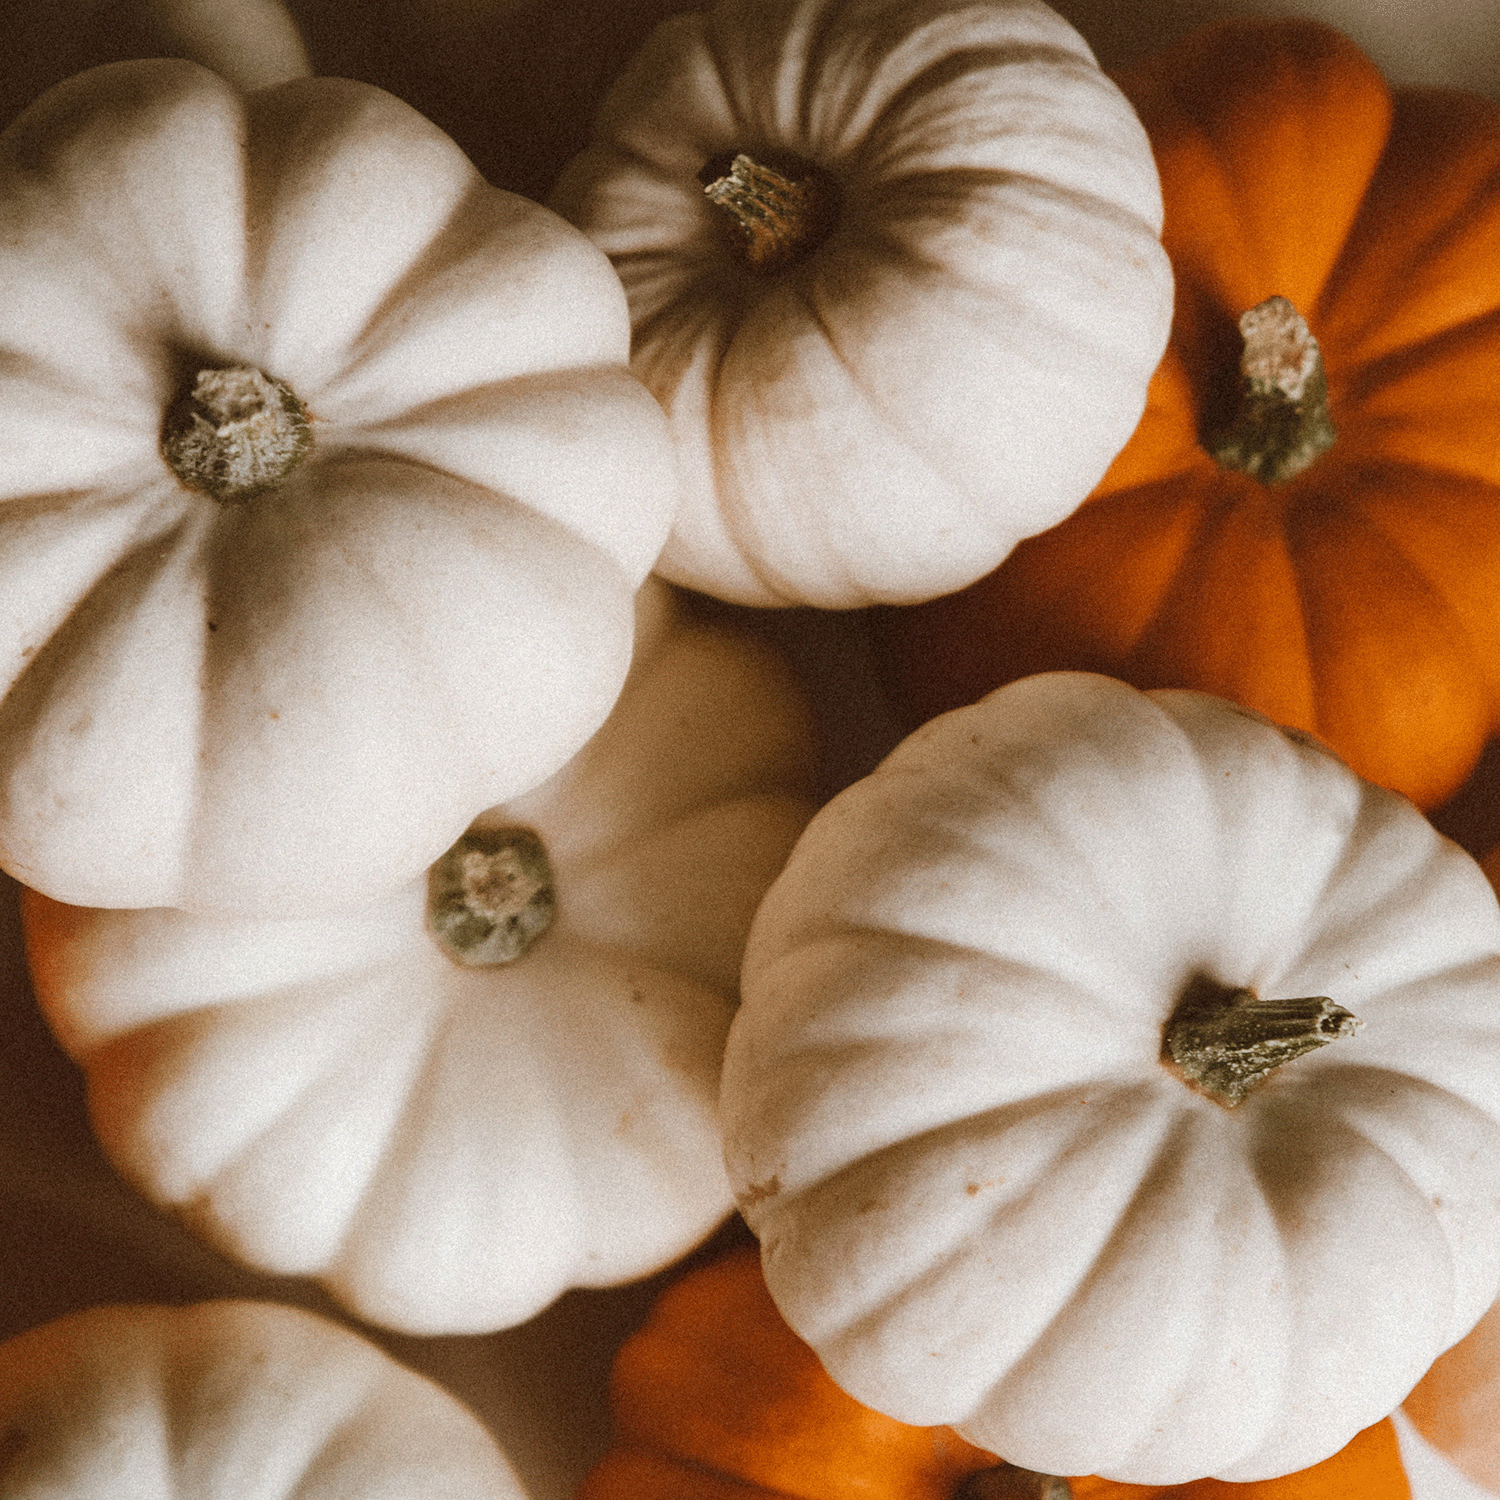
column 240, row 1399
column 957, row 1103
column 324, row 492
column 453, row 1102
column 945, row 333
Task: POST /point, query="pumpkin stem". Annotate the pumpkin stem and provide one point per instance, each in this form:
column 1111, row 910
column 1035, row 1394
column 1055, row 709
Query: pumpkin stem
column 490, row 897
column 1282, row 423
column 235, row 434
column 780, row 217
column 1011, row 1482
column 1227, row 1042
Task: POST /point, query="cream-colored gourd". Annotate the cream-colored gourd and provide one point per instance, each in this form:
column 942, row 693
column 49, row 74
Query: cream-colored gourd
column 324, row 492
column 990, row 1102
column 455, row 1101
column 248, row 1400
column 972, row 297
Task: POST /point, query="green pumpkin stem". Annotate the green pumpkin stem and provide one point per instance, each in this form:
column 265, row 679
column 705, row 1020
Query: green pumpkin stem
column 1282, row 424
column 779, row 217
column 1225, row 1043
column 235, row 434
column 1011, row 1482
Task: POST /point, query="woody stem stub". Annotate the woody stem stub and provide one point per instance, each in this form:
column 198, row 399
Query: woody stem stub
column 1281, row 425
column 1225, row 1043
column 235, row 433
column 780, row 214
column 491, row 896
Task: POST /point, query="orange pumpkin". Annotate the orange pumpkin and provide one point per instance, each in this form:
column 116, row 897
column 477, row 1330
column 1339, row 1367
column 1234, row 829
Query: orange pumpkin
column 715, row 1398
column 1359, row 598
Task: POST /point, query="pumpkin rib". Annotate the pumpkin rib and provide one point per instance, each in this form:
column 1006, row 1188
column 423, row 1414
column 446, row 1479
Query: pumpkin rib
column 891, row 1292
column 1331, row 98
column 923, row 949
column 1364, row 381
column 1333, row 609
column 1287, row 1216
column 1214, row 558
column 1394, row 265
column 468, row 221
column 1174, row 1157
column 1424, row 553
column 806, row 287
column 1399, row 421
column 159, row 518
column 1414, row 574
column 894, row 420
column 228, row 1237
column 287, row 1113
column 1379, row 1080
column 961, row 63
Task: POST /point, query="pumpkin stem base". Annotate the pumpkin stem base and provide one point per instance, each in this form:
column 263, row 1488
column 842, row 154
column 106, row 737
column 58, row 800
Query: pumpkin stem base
column 235, row 434
column 490, row 897
column 1281, row 426
column 1225, row 1043
column 780, row 216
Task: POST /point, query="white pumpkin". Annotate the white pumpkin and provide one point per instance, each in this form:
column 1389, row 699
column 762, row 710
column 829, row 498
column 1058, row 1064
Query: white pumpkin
column 264, row 662
column 957, row 1103
column 448, row 1140
column 959, row 342
column 240, row 1399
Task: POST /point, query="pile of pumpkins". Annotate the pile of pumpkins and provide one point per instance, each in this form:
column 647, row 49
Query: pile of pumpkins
column 439, row 886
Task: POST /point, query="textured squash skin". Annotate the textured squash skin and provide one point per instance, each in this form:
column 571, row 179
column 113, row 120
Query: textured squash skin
column 1456, row 1404
column 248, row 1399
column 432, row 612
column 946, row 1072
column 449, row 1148
column 955, row 364
column 1356, row 601
column 715, row 1398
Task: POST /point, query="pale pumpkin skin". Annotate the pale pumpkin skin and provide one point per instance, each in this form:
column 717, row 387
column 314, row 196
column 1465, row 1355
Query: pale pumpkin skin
column 240, row 1399
column 983, row 1198
column 954, row 366
column 430, row 614
column 448, row 1148
column 1456, row 1404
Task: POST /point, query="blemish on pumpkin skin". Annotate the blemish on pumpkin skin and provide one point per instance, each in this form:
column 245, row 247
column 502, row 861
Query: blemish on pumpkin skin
column 758, row 1192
